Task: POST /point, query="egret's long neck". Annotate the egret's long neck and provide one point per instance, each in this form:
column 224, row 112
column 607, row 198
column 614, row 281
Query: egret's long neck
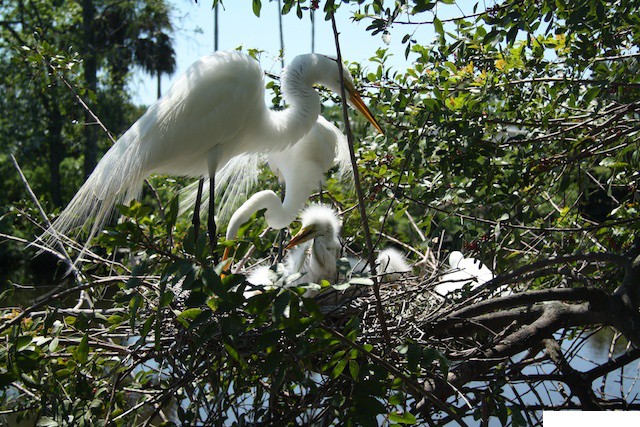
column 265, row 199
column 303, row 102
column 325, row 251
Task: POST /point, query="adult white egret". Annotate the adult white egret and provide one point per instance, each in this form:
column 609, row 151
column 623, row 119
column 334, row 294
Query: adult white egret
column 301, row 168
column 213, row 112
column 462, row 271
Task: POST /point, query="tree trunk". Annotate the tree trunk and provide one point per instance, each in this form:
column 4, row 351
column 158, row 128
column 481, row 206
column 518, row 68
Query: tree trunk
column 90, row 72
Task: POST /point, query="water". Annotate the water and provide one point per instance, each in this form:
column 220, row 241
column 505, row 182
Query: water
column 584, row 351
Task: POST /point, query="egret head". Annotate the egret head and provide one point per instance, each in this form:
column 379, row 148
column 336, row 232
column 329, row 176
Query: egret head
column 352, row 94
column 317, row 221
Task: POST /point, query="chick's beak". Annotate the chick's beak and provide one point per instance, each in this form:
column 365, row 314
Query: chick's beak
column 357, row 101
column 305, row 234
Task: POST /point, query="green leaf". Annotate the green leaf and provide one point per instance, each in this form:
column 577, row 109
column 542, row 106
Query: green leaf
column 196, row 299
column 232, row 352
column 397, row 399
column 172, row 212
column 47, row 422
column 280, row 304
column 82, row 351
column 423, row 6
column 213, row 282
column 405, row 418
column 114, row 319
column 354, row 369
column 339, row 368
column 134, row 305
column 190, row 313
column 166, row 299
column 257, row 5
column 23, row 341
column 146, row 327
column 437, row 26
column 62, row 373
column 6, row 379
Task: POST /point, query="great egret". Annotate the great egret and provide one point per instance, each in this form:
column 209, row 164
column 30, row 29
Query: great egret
column 314, row 154
column 213, row 112
column 462, row 271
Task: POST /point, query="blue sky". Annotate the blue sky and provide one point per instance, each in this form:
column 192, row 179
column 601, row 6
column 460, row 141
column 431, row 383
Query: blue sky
column 193, row 37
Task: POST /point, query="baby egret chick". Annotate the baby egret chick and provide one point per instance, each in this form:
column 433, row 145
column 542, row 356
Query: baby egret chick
column 462, row 271
column 316, row 246
column 314, row 251
column 390, row 264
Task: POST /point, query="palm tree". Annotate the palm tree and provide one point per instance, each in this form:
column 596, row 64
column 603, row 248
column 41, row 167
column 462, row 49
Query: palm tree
column 119, row 35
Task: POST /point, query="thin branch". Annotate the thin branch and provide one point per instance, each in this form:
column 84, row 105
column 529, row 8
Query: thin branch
column 358, row 187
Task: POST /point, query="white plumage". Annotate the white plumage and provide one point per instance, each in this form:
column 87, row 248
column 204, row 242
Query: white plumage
column 462, row 271
column 315, row 250
column 390, row 264
column 213, row 112
column 301, row 168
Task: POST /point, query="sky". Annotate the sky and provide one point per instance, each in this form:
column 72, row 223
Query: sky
column 238, row 26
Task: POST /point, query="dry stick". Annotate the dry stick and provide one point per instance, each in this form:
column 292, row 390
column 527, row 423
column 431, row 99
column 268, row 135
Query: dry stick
column 63, row 252
column 356, row 179
column 37, row 305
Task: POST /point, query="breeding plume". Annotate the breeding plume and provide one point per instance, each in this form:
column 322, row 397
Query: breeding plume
column 213, row 112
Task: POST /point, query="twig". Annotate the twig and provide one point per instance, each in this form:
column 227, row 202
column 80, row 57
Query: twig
column 65, row 256
column 356, row 179
column 415, row 226
column 43, row 302
column 391, row 368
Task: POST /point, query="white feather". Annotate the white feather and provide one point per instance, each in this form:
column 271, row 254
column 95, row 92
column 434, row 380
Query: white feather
column 301, row 167
column 390, row 264
column 462, row 271
column 213, row 112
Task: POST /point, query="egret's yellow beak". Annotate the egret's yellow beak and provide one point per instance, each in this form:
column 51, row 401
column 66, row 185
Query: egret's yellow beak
column 227, row 253
column 357, row 101
column 225, row 257
column 305, row 234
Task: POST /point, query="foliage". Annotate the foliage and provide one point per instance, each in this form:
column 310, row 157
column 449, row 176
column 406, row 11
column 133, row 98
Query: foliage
column 44, row 104
column 512, row 137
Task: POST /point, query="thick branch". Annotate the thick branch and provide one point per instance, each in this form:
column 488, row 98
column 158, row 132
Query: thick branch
column 577, row 381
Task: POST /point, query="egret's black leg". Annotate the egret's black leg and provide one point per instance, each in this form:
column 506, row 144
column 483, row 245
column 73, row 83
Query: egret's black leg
column 211, row 220
column 281, row 232
column 195, row 221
